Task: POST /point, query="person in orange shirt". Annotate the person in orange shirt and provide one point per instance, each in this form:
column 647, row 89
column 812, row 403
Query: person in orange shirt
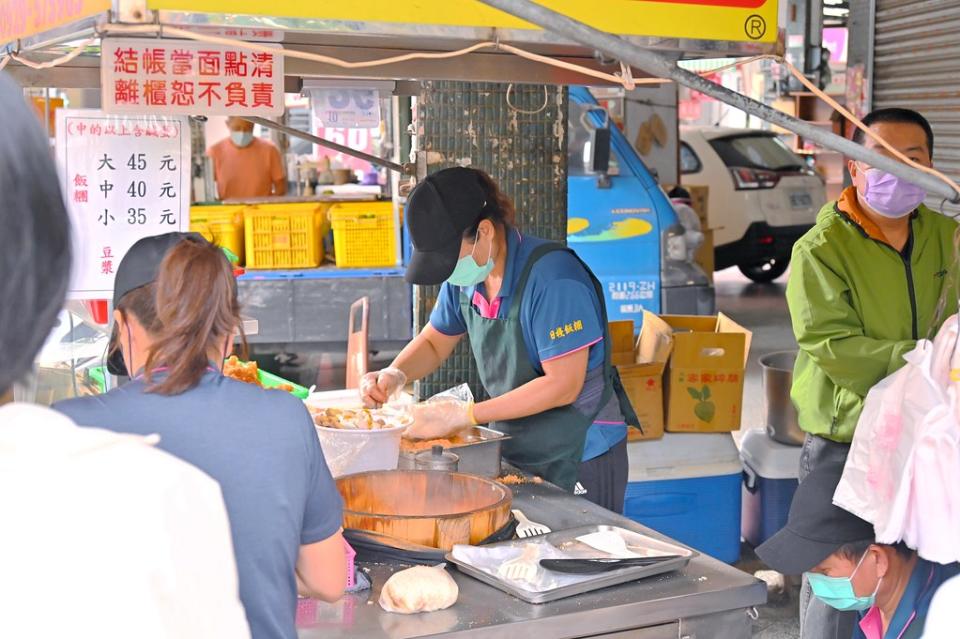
column 245, row 166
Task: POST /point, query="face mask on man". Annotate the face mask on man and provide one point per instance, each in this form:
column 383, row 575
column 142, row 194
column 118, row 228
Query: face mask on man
column 889, row 195
column 838, row 592
column 468, row 272
column 241, row 138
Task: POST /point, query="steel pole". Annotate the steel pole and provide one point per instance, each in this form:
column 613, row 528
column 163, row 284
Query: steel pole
column 659, row 66
column 404, row 169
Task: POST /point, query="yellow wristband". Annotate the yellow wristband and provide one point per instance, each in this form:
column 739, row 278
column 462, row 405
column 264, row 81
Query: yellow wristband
column 473, row 420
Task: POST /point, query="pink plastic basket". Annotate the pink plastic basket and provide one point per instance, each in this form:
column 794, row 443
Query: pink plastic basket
column 308, row 610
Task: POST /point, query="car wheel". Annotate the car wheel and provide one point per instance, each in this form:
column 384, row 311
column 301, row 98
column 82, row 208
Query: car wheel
column 766, row 271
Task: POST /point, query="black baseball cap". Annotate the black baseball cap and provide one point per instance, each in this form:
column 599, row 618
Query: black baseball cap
column 816, row 528
column 439, row 210
column 138, row 268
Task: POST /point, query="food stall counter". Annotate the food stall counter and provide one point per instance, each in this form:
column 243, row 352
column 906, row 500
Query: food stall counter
column 707, row 599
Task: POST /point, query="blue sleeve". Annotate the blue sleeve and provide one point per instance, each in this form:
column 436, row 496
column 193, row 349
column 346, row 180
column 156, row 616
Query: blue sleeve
column 323, row 514
column 563, row 317
column 446, row 316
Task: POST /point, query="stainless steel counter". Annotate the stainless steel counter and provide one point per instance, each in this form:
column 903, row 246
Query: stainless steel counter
column 707, row 600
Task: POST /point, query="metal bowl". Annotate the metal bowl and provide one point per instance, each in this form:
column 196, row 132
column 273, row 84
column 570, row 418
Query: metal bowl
column 782, row 424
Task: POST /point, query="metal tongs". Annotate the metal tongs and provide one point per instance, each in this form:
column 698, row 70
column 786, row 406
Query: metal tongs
column 598, row 565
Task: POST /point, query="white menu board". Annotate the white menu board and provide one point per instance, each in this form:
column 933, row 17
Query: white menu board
column 124, row 178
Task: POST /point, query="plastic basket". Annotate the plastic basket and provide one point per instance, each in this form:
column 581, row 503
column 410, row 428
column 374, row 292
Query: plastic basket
column 364, row 234
column 284, row 235
column 98, row 376
column 222, row 225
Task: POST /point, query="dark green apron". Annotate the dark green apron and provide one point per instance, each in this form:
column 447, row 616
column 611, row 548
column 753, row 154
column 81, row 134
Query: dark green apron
column 549, row 444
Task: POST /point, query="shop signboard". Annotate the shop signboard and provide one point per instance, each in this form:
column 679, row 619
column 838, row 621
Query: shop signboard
column 124, row 178
column 730, row 20
column 349, row 108
column 23, row 18
column 170, row 77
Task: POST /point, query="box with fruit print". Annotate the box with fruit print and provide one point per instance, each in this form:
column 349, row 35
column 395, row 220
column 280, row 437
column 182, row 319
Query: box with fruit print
column 704, row 387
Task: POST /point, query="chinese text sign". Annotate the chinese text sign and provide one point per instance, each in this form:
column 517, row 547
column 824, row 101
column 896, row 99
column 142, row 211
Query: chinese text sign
column 189, row 78
column 124, row 178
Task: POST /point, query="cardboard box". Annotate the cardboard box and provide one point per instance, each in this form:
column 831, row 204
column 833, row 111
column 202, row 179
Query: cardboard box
column 641, row 365
column 704, row 387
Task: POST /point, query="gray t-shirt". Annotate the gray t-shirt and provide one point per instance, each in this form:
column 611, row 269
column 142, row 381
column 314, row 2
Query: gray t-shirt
column 261, row 446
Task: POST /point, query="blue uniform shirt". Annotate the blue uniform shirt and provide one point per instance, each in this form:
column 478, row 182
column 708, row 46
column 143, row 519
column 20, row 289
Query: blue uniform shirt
column 560, row 314
column 262, row 448
column 911, row 614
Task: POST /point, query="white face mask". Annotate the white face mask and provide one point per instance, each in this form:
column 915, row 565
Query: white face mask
column 241, row 138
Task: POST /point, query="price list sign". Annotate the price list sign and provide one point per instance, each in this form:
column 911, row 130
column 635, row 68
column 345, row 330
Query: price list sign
column 189, row 78
column 124, row 178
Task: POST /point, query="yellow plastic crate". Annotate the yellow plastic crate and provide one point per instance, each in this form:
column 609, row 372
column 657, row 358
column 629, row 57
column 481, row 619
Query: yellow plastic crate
column 364, row 234
column 222, row 225
column 282, row 236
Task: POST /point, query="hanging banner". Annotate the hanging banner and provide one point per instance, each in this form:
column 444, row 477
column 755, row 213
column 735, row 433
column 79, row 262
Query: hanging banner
column 23, row 18
column 730, row 20
column 151, row 76
column 124, row 178
column 346, row 108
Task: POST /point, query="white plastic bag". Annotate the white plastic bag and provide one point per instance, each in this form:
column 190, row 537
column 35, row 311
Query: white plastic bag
column 904, row 464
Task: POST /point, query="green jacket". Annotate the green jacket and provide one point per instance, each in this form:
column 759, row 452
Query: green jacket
column 858, row 306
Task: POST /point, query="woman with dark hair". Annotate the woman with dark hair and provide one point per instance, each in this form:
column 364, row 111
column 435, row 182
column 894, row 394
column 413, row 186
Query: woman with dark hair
column 537, row 325
column 102, row 536
column 177, row 316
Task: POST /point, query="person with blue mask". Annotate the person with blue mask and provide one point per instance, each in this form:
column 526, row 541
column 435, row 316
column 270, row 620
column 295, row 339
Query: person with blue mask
column 889, row 586
column 537, row 325
column 246, row 166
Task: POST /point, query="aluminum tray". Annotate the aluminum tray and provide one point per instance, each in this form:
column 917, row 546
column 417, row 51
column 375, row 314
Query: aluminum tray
column 567, row 540
column 480, row 454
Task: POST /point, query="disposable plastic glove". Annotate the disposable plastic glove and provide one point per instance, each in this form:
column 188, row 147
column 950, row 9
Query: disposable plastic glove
column 439, row 419
column 377, row 388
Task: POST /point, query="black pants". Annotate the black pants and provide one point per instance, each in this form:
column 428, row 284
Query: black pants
column 603, row 480
column 817, row 619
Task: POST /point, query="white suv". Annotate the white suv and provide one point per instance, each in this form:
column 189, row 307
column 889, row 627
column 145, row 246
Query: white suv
column 762, row 196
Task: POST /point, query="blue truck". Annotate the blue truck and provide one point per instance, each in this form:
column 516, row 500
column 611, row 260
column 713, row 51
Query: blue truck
column 622, row 224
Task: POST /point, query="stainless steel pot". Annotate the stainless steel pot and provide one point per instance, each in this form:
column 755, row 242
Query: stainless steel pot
column 782, row 423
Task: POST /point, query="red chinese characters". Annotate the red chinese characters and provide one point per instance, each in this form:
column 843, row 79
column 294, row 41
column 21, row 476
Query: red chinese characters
column 126, row 91
column 208, row 62
column 182, row 62
column 183, row 93
column 235, row 64
column 262, row 65
column 126, row 61
column 155, row 92
column 155, row 61
column 208, row 92
column 262, row 94
column 236, row 94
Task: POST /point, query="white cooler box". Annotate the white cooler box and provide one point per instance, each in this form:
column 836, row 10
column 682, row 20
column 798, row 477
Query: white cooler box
column 687, row 486
column 770, row 471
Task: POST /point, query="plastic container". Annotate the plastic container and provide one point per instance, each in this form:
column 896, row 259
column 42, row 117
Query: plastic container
column 782, row 422
column 770, row 471
column 355, row 451
column 280, row 236
column 222, row 225
column 364, row 234
column 687, row 486
column 269, row 380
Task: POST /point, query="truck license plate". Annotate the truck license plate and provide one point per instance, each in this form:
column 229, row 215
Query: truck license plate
column 801, row 200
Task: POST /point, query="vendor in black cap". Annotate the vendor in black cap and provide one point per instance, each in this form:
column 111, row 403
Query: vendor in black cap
column 889, row 586
column 537, row 325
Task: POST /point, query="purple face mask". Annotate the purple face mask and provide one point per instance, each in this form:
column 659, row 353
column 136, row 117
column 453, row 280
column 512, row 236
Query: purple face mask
column 891, row 196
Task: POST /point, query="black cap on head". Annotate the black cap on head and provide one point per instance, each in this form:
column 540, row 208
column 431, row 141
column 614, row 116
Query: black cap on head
column 138, row 268
column 439, row 210
column 815, row 527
